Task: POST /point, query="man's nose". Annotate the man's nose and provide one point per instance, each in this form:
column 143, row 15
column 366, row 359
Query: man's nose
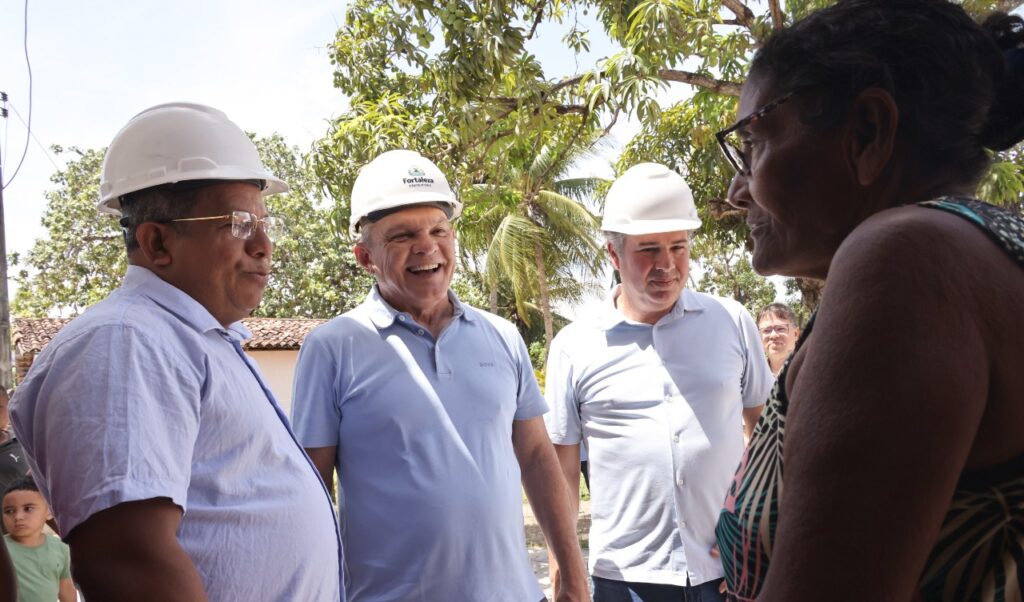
column 259, row 244
column 424, row 244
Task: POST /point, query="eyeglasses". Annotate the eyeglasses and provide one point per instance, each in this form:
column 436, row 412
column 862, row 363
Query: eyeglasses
column 243, row 224
column 734, row 146
column 778, row 328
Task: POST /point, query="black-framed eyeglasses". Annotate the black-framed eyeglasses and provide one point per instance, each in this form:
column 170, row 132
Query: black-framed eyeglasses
column 733, row 145
column 243, row 224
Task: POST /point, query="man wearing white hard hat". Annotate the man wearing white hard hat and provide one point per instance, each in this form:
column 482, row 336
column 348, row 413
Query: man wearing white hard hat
column 655, row 381
column 430, row 412
column 171, row 470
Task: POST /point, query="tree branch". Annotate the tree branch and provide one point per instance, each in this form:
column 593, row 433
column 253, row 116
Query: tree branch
column 538, row 17
column 778, row 19
column 743, row 13
column 512, row 104
column 701, row 81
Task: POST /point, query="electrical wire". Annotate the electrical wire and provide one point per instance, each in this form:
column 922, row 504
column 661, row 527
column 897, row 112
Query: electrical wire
column 46, row 151
column 7, row 131
column 28, row 125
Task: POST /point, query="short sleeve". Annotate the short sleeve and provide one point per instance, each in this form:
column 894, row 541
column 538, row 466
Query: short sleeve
column 316, row 411
column 109, row 416
column 65, row 560
column 757, row 378
column 529, row 401
column 563, row 421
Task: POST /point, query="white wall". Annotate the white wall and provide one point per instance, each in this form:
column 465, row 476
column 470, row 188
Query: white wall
column 278, row 368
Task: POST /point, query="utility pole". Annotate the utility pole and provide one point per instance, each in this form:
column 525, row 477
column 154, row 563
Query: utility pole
column 6, row 378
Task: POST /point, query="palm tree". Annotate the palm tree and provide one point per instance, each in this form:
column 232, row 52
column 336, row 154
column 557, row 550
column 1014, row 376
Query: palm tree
column 528, row 223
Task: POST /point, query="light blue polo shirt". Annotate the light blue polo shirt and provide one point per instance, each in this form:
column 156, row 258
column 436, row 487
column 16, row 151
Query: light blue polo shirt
column 659, row 408
column 430, row 495
column 147, row 396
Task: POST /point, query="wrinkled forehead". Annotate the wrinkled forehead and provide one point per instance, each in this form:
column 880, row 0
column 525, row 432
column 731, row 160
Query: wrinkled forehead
column 414, row 216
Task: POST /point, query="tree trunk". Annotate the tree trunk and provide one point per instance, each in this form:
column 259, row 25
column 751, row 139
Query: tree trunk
column 544, row 301
column 811, row 290
column 492, row 298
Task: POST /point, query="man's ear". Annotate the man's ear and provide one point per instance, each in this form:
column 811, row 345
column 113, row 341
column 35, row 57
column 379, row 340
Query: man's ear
column 153, row 238
column 612, row 254
column 363, row 257
column 871, row 134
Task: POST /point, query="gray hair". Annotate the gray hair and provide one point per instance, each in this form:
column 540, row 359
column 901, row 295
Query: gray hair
column 158, row 204
column 363, row 236
column 616, row 239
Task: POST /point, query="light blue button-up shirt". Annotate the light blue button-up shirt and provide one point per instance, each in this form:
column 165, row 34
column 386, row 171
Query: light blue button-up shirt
column 147, row 396
column 659, row 408
column 431, row 502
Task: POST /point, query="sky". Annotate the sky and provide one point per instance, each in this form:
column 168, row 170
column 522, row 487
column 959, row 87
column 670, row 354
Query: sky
column 96, row 63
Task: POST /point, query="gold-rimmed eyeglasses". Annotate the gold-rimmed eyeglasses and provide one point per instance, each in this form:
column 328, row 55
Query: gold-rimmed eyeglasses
column 243, row 224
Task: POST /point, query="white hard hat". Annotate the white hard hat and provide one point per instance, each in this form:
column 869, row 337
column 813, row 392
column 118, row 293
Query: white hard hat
column 647, row 199
column 398, row 178
column 179, row 142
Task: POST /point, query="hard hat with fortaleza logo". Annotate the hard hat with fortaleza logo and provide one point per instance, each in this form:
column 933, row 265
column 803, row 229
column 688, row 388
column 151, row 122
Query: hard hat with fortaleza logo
column 396, row 179
column 179, row 142
column 649, row 198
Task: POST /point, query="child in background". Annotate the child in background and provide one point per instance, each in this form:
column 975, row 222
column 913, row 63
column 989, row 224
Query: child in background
column 42, row 562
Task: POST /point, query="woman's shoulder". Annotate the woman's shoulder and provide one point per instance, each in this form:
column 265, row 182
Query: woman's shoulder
column 919, row 238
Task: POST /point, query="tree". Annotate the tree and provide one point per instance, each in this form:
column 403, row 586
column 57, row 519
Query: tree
column 464, row 71
column 534, row 228
column 315, row 274
column 82, row 259
column 525, row 223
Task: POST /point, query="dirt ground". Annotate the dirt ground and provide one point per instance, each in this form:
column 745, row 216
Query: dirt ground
column 538, row 551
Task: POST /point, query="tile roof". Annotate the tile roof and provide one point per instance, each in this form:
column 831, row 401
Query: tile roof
column 31, row 335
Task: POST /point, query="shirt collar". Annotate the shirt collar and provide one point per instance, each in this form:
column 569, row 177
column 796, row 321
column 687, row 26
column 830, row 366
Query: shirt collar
column 179, row 303
column 609, row 315
column 383, row 315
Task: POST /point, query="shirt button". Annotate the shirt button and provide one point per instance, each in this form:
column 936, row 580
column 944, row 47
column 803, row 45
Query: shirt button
column 679, row 481
column 401, row 318
column 419, row 332
column 682, row 525
column 676, row 438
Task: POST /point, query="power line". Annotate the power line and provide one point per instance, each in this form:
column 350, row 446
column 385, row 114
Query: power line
column 28, row 125
column 7, row 127
column 46, row 151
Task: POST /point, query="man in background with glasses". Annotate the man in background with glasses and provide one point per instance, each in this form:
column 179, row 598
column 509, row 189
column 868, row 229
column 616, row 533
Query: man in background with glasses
column 170, row 468
column 779, row 332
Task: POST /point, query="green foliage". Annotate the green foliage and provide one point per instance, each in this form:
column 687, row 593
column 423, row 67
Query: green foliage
column 728, row 273
column 458, row 81
column 82, row 259
column 315, row 272
column 1004, row 183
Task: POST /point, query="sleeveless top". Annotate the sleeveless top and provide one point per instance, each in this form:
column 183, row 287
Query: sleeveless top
column 979, row 554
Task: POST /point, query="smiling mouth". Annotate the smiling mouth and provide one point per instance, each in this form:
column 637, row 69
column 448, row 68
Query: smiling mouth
column 430, row 268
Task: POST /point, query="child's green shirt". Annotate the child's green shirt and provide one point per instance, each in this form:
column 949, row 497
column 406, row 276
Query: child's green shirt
column 40, row 569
